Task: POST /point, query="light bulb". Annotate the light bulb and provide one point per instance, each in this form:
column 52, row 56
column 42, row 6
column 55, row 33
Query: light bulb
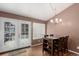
column 60, row 20
column 51, row 21
column 56, row 20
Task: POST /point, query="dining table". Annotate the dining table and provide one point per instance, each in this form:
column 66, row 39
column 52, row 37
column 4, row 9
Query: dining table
column 50, row 40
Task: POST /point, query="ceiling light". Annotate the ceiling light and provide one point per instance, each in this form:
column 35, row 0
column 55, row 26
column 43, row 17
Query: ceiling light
column 60, row 20
column 51, row 21
column 56, row 20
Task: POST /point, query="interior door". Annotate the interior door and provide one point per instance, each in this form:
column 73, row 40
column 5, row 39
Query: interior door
column 9, row 34
column 24, row 33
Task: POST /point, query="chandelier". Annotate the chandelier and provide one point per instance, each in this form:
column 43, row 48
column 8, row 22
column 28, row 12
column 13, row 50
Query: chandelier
column 55, row 20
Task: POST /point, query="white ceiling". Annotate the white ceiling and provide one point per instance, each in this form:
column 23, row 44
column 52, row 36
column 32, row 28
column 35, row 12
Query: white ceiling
column 41, row 11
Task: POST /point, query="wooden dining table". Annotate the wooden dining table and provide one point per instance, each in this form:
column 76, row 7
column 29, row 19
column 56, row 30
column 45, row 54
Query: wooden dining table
column 50, row 40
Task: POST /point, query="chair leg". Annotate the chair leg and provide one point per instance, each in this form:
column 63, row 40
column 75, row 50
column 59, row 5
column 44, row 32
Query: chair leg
column 53, row 52
column 61, row 52
column 58, row 52
column 67, row 50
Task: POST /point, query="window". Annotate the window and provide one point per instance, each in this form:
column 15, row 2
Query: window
column 24, row 31
column 9, row 31
column 38, row 30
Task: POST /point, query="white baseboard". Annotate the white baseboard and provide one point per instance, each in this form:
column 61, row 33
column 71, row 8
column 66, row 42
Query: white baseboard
column 37, row 44
column 73, row 52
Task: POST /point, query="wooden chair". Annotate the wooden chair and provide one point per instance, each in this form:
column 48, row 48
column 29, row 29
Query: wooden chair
column 51, row 35
column 45, row 36
column 46, row 47
column 58, row 46
column 66, row 44
column 61, row 45
column 55, row 47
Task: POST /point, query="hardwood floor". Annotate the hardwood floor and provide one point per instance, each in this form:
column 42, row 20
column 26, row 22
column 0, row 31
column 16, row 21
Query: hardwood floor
column 32, row 51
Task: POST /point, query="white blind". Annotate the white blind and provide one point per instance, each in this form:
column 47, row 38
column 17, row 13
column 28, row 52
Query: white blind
column 38, row 30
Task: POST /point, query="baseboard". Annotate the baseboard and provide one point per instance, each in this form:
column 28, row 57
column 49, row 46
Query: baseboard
column 36, row 44
column 14, row 50
column 73, row 52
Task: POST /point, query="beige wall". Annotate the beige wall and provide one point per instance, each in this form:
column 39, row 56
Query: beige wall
column 70, row 26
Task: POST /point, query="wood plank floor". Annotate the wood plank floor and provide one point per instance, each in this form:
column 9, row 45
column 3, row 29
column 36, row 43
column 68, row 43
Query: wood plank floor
column 32, row 51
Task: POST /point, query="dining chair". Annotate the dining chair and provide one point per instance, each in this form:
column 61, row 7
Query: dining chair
column 46, row 47
column 45, row 36
column 51, row 35
column 66, row 44
column 61, row 45
column 55, row 47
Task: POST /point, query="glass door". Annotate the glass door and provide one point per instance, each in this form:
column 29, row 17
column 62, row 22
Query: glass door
column 9, row 34
column 25, row 33
column 14, row 34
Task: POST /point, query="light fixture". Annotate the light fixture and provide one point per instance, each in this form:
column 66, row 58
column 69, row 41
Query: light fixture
column 51, row 21
column 60, row 20
column 55, row 20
